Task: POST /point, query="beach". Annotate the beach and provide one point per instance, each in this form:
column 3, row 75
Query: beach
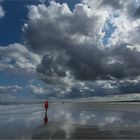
column 71, row 120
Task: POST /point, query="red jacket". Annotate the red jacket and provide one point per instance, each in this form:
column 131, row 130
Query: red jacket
column 46, row 104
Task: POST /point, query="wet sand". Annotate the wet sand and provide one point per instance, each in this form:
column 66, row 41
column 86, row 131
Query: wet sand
column 95, row 131
column 107, row 106
column 86, row 132
column 79, row 120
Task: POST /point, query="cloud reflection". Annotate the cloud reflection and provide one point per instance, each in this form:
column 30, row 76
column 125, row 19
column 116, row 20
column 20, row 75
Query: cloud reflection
column 68, row 120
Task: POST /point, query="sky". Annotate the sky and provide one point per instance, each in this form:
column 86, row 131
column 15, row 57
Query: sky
column 69, row 49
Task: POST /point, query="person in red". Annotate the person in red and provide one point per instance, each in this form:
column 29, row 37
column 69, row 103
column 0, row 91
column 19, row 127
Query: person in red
column 46, row 104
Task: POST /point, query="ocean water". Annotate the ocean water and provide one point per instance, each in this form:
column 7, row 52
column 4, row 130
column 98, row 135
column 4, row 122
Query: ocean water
column 70, row 121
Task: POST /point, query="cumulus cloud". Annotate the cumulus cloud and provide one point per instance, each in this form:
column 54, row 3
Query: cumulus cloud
column 66, row 47
column 16, row 58
column 72, row 49
column 61, row 53
column 123, row 15
column 68, row 25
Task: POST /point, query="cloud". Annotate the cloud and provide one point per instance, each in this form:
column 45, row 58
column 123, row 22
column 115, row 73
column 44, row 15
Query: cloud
column 9, row 89
column 129, row 7
column 2, row 12
column 72, row 50
column 68, row 25
column 115, row 4
column 65, row 50
column 16, row 58
column 37, row 89
column 77, row 90
column 61, row 53
column 19, row 65
column 9, row 92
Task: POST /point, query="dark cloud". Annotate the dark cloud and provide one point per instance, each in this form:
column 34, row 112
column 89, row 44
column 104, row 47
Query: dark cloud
column 137, row 12
column 86, row 63
column 54, row 67
column 126, row 61
column 113, row 3
column 93, row 64
column 71, row 45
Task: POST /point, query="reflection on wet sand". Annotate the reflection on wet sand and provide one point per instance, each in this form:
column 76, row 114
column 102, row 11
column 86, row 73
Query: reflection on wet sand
column 46, row 119
column 46, row 104
column 69, row 121
column 84, row 132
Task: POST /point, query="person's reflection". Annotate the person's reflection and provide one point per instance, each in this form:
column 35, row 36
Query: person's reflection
column 46, row 108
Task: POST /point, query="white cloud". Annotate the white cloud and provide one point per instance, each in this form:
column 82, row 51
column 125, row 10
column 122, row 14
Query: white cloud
column 126, row 19
column 37, row 89
column 9, row 92
column 58, row 19
column 16, row 58
column 123, row 32
column 2, row 12
column 10, row 89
